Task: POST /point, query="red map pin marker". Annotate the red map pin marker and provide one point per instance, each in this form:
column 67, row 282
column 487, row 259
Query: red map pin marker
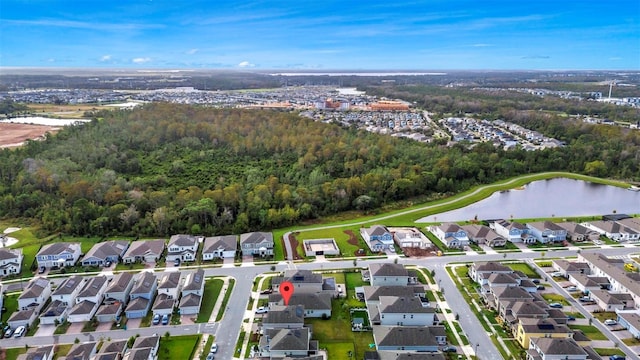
column 286, row 290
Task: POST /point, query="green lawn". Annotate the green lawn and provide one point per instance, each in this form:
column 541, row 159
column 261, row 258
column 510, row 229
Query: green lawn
column 207, row 345
column 338, row 234
column 608, row 351
column 177, row 347
column 590, row 331
column 602, row 316
column 524, row 268
column 555, row 298
column 13, row 353
column 335, row 334
column 11, row 304
column 212, row 288
column 223, row 307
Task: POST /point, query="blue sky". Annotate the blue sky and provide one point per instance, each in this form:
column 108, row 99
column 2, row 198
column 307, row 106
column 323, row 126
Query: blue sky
column 355, row 35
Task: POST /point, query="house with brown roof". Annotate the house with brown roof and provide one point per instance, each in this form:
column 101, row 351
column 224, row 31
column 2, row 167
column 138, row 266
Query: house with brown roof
column 119, row 287
column 220, row 247
column 81, row 351
column 578, row 233
column 102, row 252
column 484, row 235
column 58, row 254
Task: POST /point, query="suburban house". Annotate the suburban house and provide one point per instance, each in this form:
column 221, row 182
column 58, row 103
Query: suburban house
column 220, row 247
column 139, row 354
column 35, row 294
column 81, row 351
column 58, row 254
column 548, row 348
column 401, row 311
column 378, row 238
column 163, row 304
column 37, row 353
column 56, row 312
column 84, row 351
column 82, row 311
column 630, row 320
column 168, row 290
column 192, row 293
column 115, row 347
column 534, row 328
column 513, row 231
column 614, row 230
column 389, row 274
column 102, row 252
column 67, row 291
column 23, row 318
column 451, row 235
column 144, row 251
column 547, row 232
column 281, row 343
column 109, row 311
column 304, row 281
column 119, row 287
column 608, row 301
column 10, row 261
column 93, row 290
column 578, row 233
column 480, row 272
column 316, row 305
column 182, row 247
column 372, row 294
column 148, row 342
column 620, row 280
column 567, row 268
column 284, row 317
column 513, row 311
column 404, row 338
column 410, row 237
column 586, row 283
column 141, row 295
column 257, row 243
column 482, row 234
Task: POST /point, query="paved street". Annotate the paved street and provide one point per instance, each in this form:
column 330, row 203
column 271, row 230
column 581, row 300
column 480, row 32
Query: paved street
column 227, row 330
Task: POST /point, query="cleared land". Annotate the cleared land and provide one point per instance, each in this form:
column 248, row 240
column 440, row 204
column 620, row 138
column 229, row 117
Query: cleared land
column 13, row 135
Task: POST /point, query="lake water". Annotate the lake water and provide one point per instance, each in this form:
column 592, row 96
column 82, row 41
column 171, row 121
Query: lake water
column 560, row 197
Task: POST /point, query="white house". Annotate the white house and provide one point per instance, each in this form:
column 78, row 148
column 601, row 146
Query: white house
column 119, row 287
column 68, row 290
column 58, row 254
column 10, row 261
column 257, row 243
column 402, row 311
column 93, row 290
column 35, row 294
column 613, row 230
column 144, row 251
column 410, row 237
column 316, row 305
column 170, row 284
column 55, row 312
column 220, row 247
column 390, row 274
column 406, row 338
column 451, row 235
column 182, row 247
column 549, row 348
column 513, row 231
column 82, row 311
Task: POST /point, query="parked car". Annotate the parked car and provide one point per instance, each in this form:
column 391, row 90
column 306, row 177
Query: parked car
column 610, row 322
column 107, row 264
column 42, row 270
column 339, row 289
column 556, row 274
column 165, row 319
column 266, row 292
column 584, row 299
column 449, row 349
column 19, row 331
column 8, row 332
column 210, row 356
column 572, row 288
column 214, row 348
column 156, row 319
column 176, row 262
column 262, row 310
column 540, row 287
column 570, row 318
column 556, row 305
column 617, row 357
column 535, row 281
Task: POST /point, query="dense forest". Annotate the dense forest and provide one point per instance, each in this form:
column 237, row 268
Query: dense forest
column 167, row 168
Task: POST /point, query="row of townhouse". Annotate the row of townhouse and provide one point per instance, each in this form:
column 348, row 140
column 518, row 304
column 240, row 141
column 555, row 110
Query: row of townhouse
column 380, row 238
column 143, row 348
column 539, row 329
column 180, row 247
column 622, row 229
column 80, row 299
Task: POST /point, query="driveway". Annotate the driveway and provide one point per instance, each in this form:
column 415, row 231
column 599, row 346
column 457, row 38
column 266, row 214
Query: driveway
column 104, row 326
column 45, row 330
column 75, row 328
column 134, row 323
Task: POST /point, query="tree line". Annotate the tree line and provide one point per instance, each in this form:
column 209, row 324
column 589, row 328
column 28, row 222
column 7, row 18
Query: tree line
column 169, row 168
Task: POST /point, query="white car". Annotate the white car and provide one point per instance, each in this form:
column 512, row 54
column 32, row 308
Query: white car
column 572, row 288
column 19, row 331
column 610, row 322
column 262, row 310
column 214, row 348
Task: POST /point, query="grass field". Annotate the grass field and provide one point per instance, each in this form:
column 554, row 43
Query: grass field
column 177, row 347
column 227, row 295
column 524, row 268
column 590, row 331
column 212, row 288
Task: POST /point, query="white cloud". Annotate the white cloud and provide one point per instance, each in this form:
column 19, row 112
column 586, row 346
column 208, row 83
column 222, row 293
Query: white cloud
column 246, row 64
column 105, row 58
column 51, row 60
column 481, row 45
column 141, row 60
column 192, row 51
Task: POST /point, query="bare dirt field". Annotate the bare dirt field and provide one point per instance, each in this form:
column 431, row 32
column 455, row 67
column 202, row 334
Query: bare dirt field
column 13, row 135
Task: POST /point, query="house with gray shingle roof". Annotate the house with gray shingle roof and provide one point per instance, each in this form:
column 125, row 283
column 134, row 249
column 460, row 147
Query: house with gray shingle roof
column 93, row 290
column 147, row 342
column 163, row 304
column 513, row 231
column 69, row 289
column 482, row 234
column 389, row 274
column 480, row 272
column 58, row 254
column 547, row 232
column 372, row 294
column 109, row 311
column 621, row 280
column 84, row 351
column 192, row 293
column 10, row 261
column 114, row 346
column 182, row 247
column 141, row 295
column 102, row 252
column 144, row 251
column 304, row 281
column 578, row 233
column 405, row 338
column 219, row 247
column 630, row 320
column 614, row 230
column 555, row 348
column 284, row 317
column 315, row 305
column 451, row 235
column 139, row 354
column 401, row 311
column 257, row 244
column 35, row 294
column 278, row 343
column 55, row 312
column 23, row 318
column 82, row 311
column 169, row 284
column 378, row 238
column 119, row 287
column 38, row 353
column 608, row 301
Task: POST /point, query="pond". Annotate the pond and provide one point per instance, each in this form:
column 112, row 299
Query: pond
column 560, row 197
